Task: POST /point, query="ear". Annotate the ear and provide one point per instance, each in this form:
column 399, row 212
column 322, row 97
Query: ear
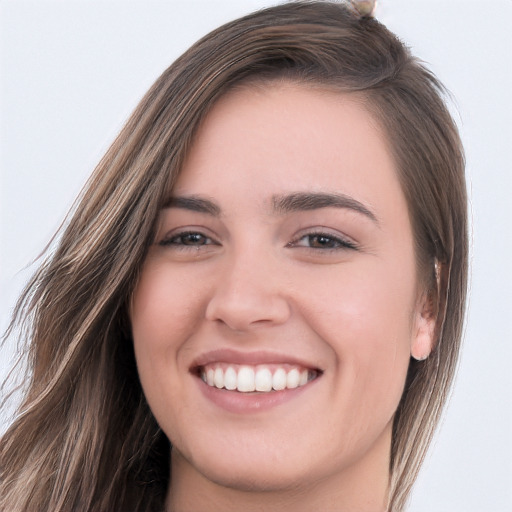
column 424, row 329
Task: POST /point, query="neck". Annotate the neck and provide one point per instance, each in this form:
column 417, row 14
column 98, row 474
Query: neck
column 360, row 487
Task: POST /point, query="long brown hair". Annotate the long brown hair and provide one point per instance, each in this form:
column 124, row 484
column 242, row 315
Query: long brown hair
column 84, row 437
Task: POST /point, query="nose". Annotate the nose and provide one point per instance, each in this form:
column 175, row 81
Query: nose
column 249, row 293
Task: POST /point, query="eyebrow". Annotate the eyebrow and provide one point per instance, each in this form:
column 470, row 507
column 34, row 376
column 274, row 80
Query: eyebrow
column 193, row 203
column 302, row 201
column 281, row 204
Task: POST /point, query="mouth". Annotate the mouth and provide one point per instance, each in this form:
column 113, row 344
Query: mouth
column 252, row 382
column 259, row 378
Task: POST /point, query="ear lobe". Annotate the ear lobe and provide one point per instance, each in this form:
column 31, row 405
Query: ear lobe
column 424, row 333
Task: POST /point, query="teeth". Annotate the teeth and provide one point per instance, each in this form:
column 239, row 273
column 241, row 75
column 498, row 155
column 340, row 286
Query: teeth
column 218, row 378
column 230, row 378
column 292, row 379
column 210, row 376
column 246, row 379
column 245, row 382
column 264, row 380
column 279, row 379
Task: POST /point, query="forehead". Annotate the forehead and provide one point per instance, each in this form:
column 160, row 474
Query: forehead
column 286, row 137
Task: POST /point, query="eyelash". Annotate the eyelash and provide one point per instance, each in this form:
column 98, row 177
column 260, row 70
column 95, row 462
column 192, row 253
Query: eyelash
column 173, row 240
column 331, row 242
column 335, row 243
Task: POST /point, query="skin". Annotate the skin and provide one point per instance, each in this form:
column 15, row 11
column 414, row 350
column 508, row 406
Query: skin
column 333, row 286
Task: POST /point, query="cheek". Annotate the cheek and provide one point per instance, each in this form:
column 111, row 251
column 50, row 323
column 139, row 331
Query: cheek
column 365, row 316
column 164, row 309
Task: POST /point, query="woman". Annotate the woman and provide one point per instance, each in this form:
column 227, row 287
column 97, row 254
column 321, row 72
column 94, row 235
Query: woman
column 267, row 271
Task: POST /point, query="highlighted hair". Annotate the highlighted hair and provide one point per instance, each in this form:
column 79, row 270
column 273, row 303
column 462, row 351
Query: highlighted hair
column 84, row 437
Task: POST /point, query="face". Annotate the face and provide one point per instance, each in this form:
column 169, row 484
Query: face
column 278, row 306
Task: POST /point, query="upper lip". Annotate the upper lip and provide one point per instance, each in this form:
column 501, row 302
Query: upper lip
column 249, row 358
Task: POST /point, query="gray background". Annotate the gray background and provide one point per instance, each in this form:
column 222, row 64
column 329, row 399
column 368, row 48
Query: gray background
column 72, row 71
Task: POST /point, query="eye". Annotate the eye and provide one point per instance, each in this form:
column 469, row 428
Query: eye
column 187, row 239
column 325, row 241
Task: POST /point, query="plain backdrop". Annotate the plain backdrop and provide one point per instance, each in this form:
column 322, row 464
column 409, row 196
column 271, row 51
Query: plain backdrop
column 71, row 73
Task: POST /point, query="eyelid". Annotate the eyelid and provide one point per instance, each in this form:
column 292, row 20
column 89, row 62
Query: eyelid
column 166, row 240
column 344, row 241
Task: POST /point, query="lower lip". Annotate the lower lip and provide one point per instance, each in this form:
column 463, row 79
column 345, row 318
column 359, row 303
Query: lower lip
column 246, row 403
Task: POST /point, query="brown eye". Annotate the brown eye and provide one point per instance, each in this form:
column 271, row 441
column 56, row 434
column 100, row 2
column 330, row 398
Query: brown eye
column 190, row 239
column 324, row 241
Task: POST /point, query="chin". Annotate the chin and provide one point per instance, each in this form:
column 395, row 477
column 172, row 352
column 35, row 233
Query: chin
column 252, row 474
column 256, row 480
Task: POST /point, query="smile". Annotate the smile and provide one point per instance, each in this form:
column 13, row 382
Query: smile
column 264, row 378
